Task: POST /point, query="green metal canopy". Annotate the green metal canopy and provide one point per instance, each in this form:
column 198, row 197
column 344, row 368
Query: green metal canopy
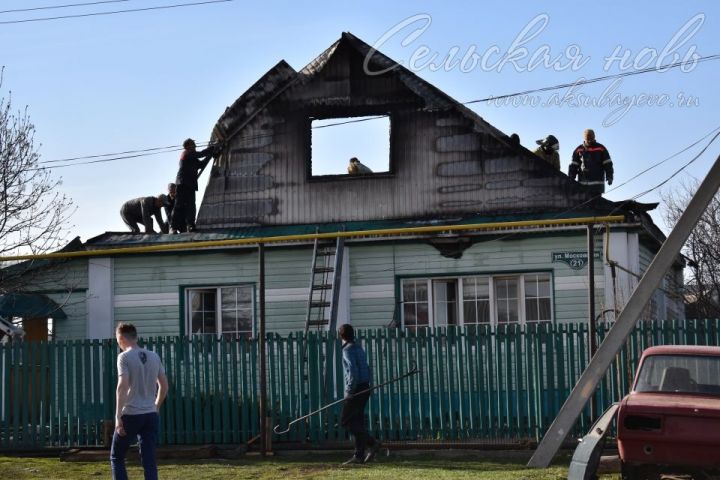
column 29, row 305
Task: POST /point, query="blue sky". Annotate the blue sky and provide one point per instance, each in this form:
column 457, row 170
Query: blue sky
column 140, row 80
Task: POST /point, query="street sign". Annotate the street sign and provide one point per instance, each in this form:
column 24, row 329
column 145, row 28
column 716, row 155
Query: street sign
column 575, row 259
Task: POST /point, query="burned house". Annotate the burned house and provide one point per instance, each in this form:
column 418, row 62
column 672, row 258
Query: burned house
column 461, row 227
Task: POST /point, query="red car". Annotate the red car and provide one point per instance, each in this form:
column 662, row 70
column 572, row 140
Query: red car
column 670, row 422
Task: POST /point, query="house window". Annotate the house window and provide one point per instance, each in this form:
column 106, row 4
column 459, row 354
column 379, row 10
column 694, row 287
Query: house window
column 221, row 311
column 445, row 302
column 415, row 304
column 476, row 300
column 484, row 299
column 506, row 299
column 336, row 140
column 537, row 298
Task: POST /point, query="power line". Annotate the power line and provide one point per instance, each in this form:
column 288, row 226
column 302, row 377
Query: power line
column 175, row 148
column 596, row 79
column 104, row 160
column 113, row 12
column 676, row 172
column 657, row 164
column 52, row 7
column 169, row 148
column 357, row 120
column 152, row 151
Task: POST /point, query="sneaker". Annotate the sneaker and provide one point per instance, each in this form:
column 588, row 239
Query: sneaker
column 373, row 452
column 353, row 461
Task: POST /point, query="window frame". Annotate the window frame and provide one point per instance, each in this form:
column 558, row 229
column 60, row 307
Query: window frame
column 186, row 313
column 392, row 170
column 460, row 298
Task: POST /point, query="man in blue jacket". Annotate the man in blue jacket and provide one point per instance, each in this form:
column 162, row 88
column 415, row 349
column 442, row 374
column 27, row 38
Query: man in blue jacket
column 357, row 380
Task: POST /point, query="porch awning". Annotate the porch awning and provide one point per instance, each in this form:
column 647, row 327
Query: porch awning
column 29, row 305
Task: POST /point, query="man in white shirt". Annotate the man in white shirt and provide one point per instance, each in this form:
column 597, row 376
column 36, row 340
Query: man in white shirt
column 138, row 401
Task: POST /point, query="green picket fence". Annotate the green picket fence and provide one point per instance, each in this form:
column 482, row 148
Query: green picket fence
column 502, row 384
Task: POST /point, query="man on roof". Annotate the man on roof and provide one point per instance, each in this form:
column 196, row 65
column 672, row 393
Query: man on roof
column 170, row 201
column 186, row 181
column 591, row 163
column 141, row 210
column 548, row 150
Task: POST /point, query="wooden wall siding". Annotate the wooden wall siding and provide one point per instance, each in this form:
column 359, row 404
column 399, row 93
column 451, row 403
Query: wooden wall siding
column 146, row 288
column 446, row 161
column 75, row 307
column 382, row 264
column 71, row 275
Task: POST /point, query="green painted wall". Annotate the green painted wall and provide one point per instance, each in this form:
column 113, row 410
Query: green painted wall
column 147, row 288
column 383, row 264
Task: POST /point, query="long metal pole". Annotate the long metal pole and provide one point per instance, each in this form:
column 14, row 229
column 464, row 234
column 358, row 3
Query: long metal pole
column 617, row 336
column 413, row 370
column 591, row 309
column 261, row 344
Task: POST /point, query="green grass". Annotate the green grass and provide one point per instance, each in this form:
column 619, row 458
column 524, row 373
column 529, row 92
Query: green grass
column 435, row 467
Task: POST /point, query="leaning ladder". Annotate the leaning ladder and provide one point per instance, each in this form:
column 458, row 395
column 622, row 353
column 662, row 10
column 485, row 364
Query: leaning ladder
column 322, row 308
column 324, row 295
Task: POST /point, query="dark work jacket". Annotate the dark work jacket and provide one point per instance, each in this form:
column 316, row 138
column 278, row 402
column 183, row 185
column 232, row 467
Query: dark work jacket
column 190, row 163
column 168, row 204
column 592, row 164
column 357, row 371
column 141, row 210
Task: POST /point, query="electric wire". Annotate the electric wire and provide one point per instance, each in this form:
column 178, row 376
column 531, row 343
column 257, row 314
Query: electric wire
column 53, row 7
column 596, row 79
column 168, row 148
column 113, row 12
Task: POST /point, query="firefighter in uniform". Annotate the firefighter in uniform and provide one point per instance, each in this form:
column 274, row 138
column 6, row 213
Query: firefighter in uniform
column 548, row 150
column 591, row 164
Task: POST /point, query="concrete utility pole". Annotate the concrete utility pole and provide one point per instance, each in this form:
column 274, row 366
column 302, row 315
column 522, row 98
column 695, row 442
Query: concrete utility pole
column 617, row 336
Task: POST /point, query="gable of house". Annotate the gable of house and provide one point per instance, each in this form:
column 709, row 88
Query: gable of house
column 444, row 161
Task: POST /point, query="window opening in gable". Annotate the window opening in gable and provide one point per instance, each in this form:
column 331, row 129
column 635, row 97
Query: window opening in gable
column 335, row 143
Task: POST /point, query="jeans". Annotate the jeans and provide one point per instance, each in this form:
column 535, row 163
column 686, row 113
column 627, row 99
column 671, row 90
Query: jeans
column 129, row 221
column 352, row 419
column 143, row 428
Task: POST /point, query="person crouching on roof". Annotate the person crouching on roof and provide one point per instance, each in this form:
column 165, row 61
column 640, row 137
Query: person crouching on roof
column 357, row 168
column 141, row 211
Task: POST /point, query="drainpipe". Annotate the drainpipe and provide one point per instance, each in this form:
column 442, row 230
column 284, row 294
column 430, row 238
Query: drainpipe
column 591, row 307
column 613, row 267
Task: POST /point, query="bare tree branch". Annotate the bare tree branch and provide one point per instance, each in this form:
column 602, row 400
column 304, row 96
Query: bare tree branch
column 33, row 213
column 702, row 247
